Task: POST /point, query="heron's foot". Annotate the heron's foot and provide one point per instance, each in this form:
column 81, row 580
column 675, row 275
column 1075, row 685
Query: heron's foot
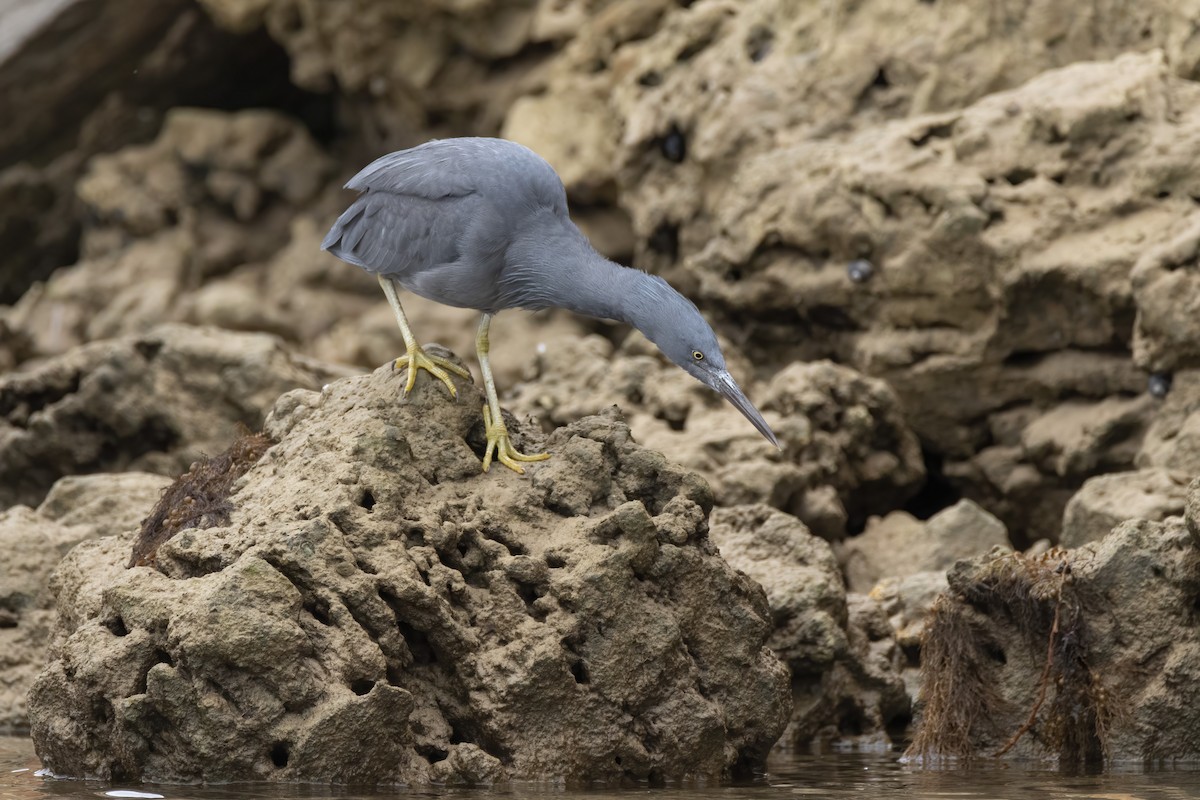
column 438, row 367
column 498, row 441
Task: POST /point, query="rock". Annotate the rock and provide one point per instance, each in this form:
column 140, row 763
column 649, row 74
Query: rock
column 379, row 610
column 1165, row 332
column 844, row 685
column 212, row 192
column 77, row 509
column 101, row 76
column 1118, row 671
column 1107, row 500
column 152, row 403
column 845, row 442
column 907, row 602
column 1173, row 438
column 899, row 544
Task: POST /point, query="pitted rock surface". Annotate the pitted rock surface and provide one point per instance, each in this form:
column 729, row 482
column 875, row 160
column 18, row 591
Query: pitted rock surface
column 379, row 610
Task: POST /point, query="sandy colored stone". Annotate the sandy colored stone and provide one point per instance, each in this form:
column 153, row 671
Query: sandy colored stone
column 1105, row 501
column 899, row 544
column 844, row 686
column 152, row 403
column 907, row 601
column 1122, row 686
column 77, row 509
column 380, row 610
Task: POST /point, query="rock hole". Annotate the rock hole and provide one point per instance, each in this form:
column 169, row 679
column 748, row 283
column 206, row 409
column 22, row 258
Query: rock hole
column 665, row 240
column 161, row 656
column 555, row 561
column 148, row 350
column 362, row 686
column 936, row 494
column 580, row 672
column 7, row 620
column 1162, row 194
column 758, row 45
column 432, row 753
column 898, row 727
column 280, row 754
column 101, row 710
column 850, row 720
column 650, row 79
column 1019, row 175
column 116, row 626
column 395, row 677
column 418, row 643
column 319, row 610
column 880, row 81
column 996, row 653
column 367, row 500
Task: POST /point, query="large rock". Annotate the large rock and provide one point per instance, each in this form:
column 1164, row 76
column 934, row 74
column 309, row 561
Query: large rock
column 380, row 610
column 844, row 684
column 1108, row 500
column 899, row 544
column 153, row 402
column 1083, row 656
column 77, row 508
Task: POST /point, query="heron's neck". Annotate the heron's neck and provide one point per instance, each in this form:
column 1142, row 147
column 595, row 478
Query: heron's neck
column 557, row 266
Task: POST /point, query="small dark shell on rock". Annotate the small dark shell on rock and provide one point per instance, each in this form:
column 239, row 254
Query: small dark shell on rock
column 860, row 270
column 1159, row 384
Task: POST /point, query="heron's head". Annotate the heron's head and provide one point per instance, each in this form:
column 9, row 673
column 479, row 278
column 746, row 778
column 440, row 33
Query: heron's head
column 684, row 336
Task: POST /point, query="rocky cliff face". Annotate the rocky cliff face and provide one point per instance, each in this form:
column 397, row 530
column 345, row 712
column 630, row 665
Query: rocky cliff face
column 950, row 252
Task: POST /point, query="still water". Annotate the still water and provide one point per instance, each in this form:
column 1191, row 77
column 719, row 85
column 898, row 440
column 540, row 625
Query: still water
column 790, row 777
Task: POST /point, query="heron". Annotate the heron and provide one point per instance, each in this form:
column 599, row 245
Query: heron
column 482, row 223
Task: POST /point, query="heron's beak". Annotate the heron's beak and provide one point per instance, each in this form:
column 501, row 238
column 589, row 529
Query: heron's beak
column 725, row 384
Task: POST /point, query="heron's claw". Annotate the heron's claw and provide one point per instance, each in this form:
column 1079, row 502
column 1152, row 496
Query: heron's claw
column 499, row 442
column 417, row 359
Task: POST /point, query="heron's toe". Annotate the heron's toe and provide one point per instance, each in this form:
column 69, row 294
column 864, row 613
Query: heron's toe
column 500, row 444
column 417, row 359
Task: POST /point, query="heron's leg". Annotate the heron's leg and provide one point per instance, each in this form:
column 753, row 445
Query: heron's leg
column 416, row 358
column 498, row 440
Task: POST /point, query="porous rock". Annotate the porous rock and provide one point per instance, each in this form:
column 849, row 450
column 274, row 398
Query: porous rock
column 379, row 610
column 1107, row 500
column 78, row 508
column 907, row 602
column 899, row 544
column 152, row 402
column 845, row 688
column 213, row 191
column 846, row 449
column 1082, row 656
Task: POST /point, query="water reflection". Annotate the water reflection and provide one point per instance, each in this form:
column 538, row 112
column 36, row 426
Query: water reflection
column 791, row 775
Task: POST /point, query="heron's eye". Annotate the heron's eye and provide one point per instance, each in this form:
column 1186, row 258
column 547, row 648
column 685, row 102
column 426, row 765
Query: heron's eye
column 696, row 354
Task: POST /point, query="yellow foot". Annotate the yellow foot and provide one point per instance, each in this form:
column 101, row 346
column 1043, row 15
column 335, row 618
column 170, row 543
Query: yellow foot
column 498, row 441
column 417, row 358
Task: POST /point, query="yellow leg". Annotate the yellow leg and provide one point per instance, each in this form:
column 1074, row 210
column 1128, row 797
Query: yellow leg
column 416, row 358
column 498, row 440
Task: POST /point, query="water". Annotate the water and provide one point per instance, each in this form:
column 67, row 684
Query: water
column 790, row 777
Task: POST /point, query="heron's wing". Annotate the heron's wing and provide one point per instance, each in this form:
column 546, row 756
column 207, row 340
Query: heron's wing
column 436, row 169
column 393, row 234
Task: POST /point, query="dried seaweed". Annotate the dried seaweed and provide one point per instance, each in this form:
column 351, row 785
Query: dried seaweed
column 1071, row 711
column 199, row 498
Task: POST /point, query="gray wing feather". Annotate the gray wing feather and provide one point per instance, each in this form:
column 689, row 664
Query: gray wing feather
column 432, row 170
column 394, row 234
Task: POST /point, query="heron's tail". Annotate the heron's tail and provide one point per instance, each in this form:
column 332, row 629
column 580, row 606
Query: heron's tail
column 347, row 233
